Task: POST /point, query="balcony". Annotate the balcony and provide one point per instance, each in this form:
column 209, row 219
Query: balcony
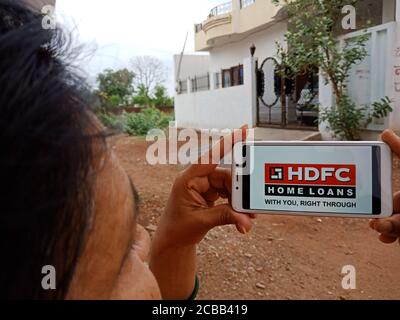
column 218, row 23
column 246, row 3
column 233, row 20
column 221, row 9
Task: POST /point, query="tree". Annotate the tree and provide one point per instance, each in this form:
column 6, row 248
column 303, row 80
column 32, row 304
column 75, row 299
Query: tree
column 115, row 87
column 150, row 72
column 312, row 43
column 161, row 98
column 142, row 97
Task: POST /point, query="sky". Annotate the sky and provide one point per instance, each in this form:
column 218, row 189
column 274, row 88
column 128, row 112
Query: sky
column 115, row 31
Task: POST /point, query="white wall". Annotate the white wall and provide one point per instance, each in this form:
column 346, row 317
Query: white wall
column 192, row 64
column 380, row 79
column 226, row 108
column 394, row 73
column 372, row 79
column 232, row 54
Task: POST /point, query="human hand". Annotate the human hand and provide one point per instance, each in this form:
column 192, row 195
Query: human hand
column 191, row 211
column 389, row 228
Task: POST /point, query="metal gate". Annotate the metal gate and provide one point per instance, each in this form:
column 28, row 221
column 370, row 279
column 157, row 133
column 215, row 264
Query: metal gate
column 270, row 110
column 278, row 99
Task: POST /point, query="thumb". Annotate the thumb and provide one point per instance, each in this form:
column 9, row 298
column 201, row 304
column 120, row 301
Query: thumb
column 389, row 226
column 222, row 215
column 393, row 140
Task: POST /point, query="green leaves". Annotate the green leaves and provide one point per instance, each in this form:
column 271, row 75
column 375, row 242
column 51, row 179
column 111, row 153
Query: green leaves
column 380, row 109
column 312, row 43
column 115, row 87
column 112, row 121
column 346, row 119
column 136, row 124
column 140, row 124
column 161, row 98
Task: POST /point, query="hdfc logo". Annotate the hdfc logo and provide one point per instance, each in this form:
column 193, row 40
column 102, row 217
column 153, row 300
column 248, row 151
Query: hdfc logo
column 311, row 180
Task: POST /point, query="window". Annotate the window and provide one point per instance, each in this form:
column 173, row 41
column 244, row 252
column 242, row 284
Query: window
column 237, row 75
column 198, row 27
column 183, row 86
column 201, row 83
column 233, row 76
column 217, row 80
column 226, row 78
column 241, row 75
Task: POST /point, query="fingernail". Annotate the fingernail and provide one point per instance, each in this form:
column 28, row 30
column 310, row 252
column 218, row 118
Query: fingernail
column 244, row 132
column 372, row 224
column 243, row 230
column 387, row 134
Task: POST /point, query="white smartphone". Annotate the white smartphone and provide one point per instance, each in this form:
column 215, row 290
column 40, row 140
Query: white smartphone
column 334, row 179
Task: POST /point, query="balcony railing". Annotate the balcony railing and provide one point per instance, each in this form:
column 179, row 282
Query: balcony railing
column 246, row 3
column 183, row 88
column 221, row 9
column 201, row 83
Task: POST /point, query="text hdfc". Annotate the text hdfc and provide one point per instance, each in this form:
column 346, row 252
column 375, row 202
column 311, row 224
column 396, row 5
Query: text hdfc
column 310, row 174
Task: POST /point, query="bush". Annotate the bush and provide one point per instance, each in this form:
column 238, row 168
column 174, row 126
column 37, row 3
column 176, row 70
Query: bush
column 141, row 123
column 112, row 121
column 347, row 120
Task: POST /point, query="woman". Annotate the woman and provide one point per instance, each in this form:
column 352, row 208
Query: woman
column 67, row 202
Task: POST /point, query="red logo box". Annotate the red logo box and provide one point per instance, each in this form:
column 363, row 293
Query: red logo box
column 311, row 174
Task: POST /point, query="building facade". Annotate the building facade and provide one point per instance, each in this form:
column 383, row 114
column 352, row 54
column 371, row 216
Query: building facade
column 225, row 92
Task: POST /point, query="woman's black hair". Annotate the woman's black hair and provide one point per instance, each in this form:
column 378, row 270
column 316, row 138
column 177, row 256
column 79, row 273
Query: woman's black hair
column 47, row 134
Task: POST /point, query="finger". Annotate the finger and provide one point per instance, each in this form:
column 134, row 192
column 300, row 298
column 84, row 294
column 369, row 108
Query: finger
column 142, row 243
column 200, row 184
column 389, row 137
column 197, row 187
column 387, row 239
column 396, row 202
column 224, row 215
column 389, row 226
column 372, row 223
column 203, row 189
column 207, row 162
column 221, row 179
column 224, row 194
column 211, row 195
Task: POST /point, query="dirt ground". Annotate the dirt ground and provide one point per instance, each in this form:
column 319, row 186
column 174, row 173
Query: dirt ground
column 283, row 257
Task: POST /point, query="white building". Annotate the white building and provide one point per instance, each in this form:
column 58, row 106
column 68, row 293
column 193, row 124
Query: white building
column 220, row 90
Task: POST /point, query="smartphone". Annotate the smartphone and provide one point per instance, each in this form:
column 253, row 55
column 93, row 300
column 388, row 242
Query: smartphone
column 333, row 179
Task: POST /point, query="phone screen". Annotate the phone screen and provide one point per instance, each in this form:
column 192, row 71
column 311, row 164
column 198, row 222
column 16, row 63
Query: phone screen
column 323, row 179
